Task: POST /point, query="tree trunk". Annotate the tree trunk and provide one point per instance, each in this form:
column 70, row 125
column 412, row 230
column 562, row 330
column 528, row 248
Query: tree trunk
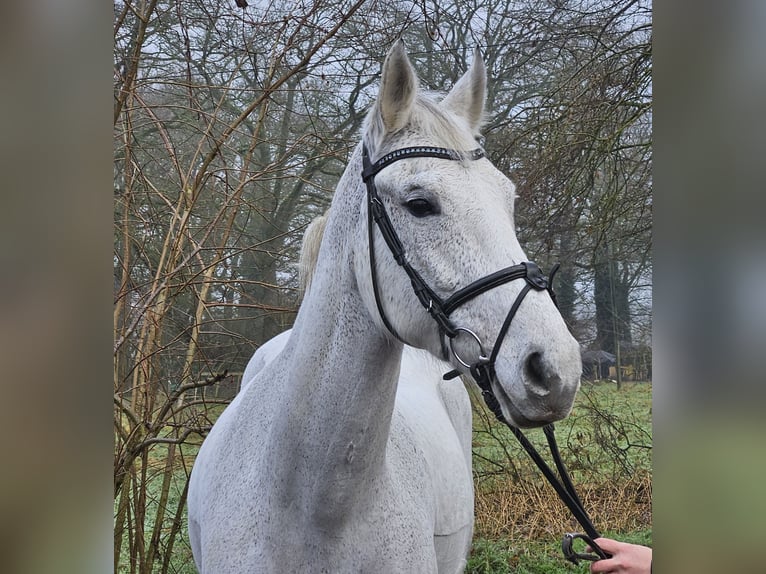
column 612, row 307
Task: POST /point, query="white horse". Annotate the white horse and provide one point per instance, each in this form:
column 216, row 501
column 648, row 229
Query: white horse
column 326, row 461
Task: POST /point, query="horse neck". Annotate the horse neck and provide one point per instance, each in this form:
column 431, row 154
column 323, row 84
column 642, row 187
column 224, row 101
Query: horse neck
column 341, row 386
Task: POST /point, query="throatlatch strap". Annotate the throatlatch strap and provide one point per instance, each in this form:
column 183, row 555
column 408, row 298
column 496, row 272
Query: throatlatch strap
column 373, row 266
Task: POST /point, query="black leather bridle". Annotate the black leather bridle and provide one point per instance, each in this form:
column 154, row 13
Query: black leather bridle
column 440, row 309
column 483, row 369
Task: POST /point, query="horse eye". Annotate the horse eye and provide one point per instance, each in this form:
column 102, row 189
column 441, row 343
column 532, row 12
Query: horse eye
column 420, row 207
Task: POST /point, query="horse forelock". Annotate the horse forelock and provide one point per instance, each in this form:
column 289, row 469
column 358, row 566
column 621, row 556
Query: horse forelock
column 429, row 124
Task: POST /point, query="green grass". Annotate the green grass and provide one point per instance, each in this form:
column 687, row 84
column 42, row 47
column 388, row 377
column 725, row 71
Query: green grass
column 533, row 557
column 505, row 557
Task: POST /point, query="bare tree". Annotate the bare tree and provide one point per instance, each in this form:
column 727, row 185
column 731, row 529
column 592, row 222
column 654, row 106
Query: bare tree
column 214, row 152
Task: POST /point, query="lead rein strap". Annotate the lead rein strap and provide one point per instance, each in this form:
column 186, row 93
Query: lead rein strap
column 553, row 446
column 562, row 487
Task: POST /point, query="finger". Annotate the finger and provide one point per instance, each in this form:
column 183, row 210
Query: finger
column 608, row 545
column 602, row 566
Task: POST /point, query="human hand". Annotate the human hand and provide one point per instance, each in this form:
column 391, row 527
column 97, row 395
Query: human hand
column 626, row 558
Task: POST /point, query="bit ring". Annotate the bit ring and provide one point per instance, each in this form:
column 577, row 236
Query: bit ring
column 483, row 358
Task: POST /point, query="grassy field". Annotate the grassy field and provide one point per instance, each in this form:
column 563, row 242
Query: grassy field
column 504, row 556
column 606, row 444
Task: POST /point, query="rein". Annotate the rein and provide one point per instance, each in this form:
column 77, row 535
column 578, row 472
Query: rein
column 483, row 370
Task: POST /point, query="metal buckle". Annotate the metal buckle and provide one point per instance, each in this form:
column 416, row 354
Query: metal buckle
column 575, row 557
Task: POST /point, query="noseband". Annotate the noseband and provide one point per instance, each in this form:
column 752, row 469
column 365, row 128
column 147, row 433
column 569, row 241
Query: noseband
column 440, row 309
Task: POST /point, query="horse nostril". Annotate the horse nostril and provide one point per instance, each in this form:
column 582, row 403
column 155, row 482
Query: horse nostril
column 534, row 370
column 540, row 377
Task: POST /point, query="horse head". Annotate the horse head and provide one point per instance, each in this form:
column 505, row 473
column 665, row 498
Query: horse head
column 451, row 215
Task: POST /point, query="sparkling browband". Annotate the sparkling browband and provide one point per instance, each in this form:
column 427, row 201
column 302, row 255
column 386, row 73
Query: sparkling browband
column 420, row 151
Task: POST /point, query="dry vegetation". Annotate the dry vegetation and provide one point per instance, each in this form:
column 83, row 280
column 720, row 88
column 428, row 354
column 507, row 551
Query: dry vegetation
column 532, row 510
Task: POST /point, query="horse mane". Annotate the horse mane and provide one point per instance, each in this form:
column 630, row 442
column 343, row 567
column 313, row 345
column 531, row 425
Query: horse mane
column 312, row 239
column 428, row 119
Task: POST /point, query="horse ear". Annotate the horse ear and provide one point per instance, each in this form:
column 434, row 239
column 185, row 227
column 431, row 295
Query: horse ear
column 467, row 96
column 398, row 87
